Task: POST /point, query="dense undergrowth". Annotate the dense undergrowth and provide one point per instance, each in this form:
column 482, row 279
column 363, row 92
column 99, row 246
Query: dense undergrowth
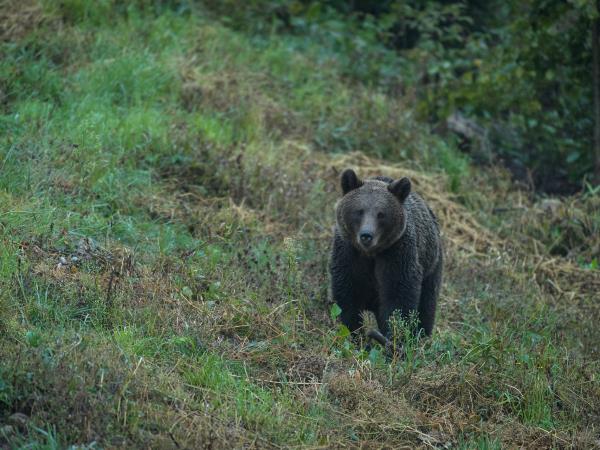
column 166, row 202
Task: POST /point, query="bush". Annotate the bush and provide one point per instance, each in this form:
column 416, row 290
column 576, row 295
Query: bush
column 520, row 69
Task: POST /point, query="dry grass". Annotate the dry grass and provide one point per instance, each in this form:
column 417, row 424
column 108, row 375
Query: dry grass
column 18, row 18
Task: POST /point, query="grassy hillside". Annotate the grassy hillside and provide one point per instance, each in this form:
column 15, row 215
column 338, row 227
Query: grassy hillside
column 167, row 188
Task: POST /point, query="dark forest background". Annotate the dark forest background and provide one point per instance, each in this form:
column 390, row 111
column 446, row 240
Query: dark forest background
column 518, row 76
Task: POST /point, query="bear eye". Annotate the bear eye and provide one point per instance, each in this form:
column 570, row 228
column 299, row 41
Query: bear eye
column 380, row 215
column 360, row 212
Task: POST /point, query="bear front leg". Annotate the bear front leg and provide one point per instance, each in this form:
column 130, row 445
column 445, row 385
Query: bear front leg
column 345, row 296
column 345, row 287
column 399, row 290
column 404, row 300
column 430, row 292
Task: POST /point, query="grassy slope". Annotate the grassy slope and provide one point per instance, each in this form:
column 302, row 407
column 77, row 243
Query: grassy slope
column 166, row 198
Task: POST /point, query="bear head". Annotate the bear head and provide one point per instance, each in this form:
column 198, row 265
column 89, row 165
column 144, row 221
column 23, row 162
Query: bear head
column 371, row 213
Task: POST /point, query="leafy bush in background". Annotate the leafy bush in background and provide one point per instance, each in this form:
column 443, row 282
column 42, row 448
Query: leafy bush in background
column 526, row 76
column 521, row 69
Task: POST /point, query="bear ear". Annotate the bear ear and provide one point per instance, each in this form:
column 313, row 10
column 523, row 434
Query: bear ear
column 400, row 188
column 349, row 181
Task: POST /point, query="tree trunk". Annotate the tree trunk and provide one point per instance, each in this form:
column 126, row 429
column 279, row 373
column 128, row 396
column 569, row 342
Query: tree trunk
column 596, row 81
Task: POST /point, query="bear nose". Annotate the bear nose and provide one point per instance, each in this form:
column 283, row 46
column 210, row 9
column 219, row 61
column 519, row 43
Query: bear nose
column 366, row 238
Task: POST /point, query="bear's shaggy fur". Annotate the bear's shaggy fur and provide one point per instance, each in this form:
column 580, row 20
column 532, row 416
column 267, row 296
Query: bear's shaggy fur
column 387, row 253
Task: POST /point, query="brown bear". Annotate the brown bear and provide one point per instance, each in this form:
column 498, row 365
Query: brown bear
column 387, row 253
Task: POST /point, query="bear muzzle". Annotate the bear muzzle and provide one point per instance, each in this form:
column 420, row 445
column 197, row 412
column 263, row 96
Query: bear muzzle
column 367, row 241
column 366, row 238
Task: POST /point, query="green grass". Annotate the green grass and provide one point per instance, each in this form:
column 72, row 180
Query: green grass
column 166, row 201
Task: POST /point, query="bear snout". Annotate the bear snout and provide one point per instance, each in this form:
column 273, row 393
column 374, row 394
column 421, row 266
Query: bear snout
column 366, row 238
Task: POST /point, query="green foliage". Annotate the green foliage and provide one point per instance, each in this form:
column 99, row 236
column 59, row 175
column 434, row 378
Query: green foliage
column 103, row 12
column 335, row 311
column 520, row 69
column 523, row 71
column 527, row 78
